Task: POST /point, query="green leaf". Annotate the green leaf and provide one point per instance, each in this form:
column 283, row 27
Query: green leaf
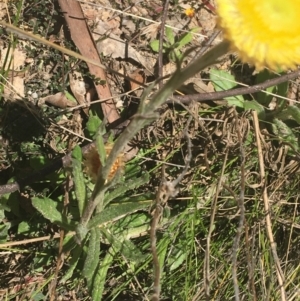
column 154, row 45
column 80, row 188
column 76, row 252
column 93, row 124
column 81, row 232
column 132, row 225
column 254, row 105
column 121, row 189
column 170, row 35
column 291, row 112
column 4, row 205
column 23, row 228
column 223, row 81
column 125, row 246
column 38, row 297
column 264, row 98
column 47, row 208
column 282, row 89
column 284, row 132
column 175, row 55
column 38, row 162
column 115, row 212
column 295, row 112
column 177, row 259
column 100, row 277
column 2, row 214
column 93, row 253
column 162, row 250
column 70, row 97
column 4, row 231
column 76, row 153
column 13, row 202
column 184, row 39
column 131, row 221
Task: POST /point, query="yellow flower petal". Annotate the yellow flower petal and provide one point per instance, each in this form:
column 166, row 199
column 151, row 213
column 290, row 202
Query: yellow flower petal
column 190, row 12
column 265, row 33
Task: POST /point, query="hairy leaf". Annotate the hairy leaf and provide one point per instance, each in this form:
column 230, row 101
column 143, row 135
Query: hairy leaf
column 73, row 263
column 93, row 253
column 47, row 208
column 80, row 188
column 115, row 212
column 120, row 190
column 100, row 277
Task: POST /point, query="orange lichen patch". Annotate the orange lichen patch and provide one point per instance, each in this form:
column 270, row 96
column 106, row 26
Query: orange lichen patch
column 92, row 163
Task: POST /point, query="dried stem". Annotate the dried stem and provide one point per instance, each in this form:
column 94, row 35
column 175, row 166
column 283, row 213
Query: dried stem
column 239, row 91
column 241, row 206
column 280, row 275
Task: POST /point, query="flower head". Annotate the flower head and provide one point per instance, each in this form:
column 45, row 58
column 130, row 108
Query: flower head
column 265, row 33
column 190, row 12
column 93, row 165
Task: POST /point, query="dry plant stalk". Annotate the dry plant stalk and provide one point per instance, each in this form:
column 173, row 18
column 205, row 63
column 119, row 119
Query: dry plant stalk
column 241, row 206
column 162, row 197
column 279, row 273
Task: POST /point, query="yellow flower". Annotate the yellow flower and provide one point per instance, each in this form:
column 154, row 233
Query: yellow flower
column 190, row 12
column 265, row 33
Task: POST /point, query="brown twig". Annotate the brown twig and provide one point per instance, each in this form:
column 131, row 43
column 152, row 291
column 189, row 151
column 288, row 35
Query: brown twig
column 239, row 91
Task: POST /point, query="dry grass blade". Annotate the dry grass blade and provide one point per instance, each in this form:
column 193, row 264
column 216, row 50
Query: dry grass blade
column 280, row 275
column 241, row 206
